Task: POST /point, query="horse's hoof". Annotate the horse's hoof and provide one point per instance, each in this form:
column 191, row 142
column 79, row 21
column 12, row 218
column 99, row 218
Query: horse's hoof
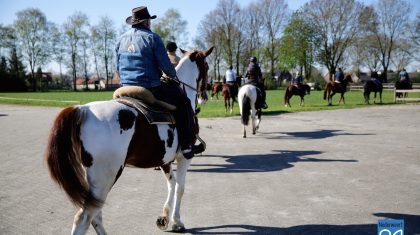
column 178, row 228
column 244, row 136
column 162, row 222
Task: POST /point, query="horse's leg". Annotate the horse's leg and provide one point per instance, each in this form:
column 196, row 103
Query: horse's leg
column 231, row 107
column 97, row 223
column 301, row 101
column 380, row 97
column 181, row 172
column 83, row 219
column 253, row 119
column 163, row 220
column 244, row 131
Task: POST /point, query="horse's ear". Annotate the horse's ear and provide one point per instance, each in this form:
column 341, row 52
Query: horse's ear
column 183, row 51
column 208, row 52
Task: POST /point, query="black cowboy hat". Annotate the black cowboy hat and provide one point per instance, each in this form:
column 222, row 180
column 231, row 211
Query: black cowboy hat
column 139, row 14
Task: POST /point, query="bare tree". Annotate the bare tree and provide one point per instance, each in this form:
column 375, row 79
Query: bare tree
column 392, row 20
column 32, row 35
column 252, row 28
column 58, row 48
column 74, row 28
column 337, row 22
column 107, row 36
column 275, row 14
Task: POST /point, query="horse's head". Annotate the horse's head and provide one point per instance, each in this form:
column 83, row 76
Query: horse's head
column 348, row 78
column 192, row 70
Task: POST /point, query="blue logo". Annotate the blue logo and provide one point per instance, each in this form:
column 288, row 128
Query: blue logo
column 391, row 227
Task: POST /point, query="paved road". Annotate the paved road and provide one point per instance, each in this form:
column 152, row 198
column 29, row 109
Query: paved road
column 327, row 172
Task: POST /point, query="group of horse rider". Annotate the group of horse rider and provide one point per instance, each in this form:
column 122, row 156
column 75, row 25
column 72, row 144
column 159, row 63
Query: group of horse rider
column 253, row 76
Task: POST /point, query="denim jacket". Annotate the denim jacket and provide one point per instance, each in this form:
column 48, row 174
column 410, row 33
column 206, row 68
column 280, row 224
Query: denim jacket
column 140, row 57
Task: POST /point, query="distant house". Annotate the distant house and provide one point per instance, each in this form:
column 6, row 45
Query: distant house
column 113, row 83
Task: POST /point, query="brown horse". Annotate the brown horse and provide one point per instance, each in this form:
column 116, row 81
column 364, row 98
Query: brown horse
column 292, row 90
column 216, row 88
column 334, row 87
column 229, row 93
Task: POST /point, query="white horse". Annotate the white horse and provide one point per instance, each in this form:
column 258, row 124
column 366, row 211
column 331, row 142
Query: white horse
column 247, row 97
column 89, row 146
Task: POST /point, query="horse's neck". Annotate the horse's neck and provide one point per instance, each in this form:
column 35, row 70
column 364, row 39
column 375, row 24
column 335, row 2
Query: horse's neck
column 187, row 73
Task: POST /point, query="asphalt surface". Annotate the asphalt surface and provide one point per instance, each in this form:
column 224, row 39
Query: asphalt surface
column 326, row 172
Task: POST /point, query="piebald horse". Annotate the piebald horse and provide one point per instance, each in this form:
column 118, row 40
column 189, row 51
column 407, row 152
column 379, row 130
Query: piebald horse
column 89, row 146
column 247, row 98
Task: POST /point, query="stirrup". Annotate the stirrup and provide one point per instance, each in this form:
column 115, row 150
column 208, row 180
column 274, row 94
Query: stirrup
column 264, row 106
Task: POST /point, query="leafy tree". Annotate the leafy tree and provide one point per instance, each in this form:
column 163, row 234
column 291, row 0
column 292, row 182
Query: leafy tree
column 32, row 35
column 171, row 27
column 298, row 45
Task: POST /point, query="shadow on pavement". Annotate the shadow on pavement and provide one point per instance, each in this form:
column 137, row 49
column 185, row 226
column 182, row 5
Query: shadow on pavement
column 318, row 134
column 411, row 224
column 281, row 160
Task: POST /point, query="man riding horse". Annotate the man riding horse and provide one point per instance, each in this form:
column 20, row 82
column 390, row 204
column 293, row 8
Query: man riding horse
column 231, row 81
column 254, row 75
column 141, row 58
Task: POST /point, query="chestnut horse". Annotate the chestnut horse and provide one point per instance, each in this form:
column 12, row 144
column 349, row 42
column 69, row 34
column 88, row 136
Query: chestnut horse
column 247, row 98
column 89, row 146
column 229, row 93
column 292, row 90
column 334, row 87
column 216, row 88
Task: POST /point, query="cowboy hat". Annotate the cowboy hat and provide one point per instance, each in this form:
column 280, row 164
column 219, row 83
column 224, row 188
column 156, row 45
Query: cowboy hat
column 138, row 15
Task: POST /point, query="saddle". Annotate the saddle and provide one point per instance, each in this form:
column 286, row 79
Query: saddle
column 141, row 99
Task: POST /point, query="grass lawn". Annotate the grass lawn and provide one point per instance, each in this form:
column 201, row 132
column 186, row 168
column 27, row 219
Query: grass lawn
column 213, row 108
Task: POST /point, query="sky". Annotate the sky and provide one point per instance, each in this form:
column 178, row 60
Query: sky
column 193, row 11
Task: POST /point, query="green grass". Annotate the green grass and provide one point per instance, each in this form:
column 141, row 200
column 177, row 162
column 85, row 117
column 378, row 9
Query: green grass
column 213, row 108
column 313, row 102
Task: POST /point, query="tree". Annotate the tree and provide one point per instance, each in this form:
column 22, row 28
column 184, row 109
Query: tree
column 171, row 27
column 337, row 24
column 298, row 45
column 107, row 35
column 275, row 14
column 58, row 47
column 73, row 29
column 32, row 35
column 392, row 18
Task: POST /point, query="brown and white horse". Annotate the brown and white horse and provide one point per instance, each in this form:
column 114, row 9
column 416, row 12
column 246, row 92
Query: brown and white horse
column 89, row 146
column 247, row 99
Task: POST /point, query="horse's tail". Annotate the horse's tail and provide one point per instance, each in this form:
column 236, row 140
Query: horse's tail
column 246, row 110
column 64, row 159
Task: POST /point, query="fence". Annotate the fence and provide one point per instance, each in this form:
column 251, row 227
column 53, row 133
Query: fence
column 386, row 86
